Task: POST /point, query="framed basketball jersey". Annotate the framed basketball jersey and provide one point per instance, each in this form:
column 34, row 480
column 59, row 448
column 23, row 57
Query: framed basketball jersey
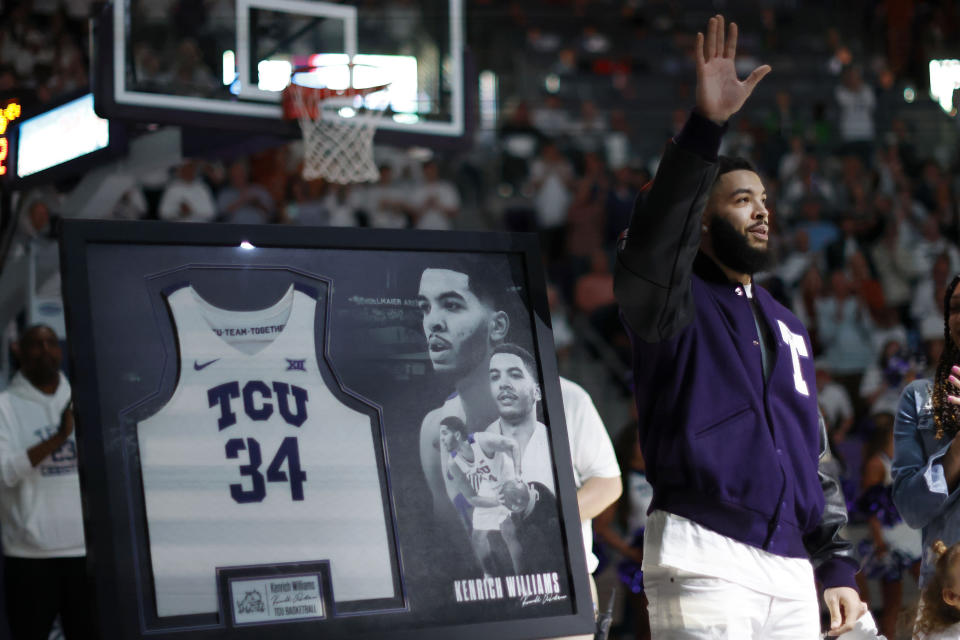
column 259, row 433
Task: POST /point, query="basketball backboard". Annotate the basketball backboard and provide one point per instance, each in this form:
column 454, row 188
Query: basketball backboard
column 224, row 63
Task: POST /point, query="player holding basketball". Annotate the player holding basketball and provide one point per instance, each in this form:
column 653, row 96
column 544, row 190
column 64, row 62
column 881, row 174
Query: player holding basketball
column 742, row 518
column 515, row 386
column 478, row 464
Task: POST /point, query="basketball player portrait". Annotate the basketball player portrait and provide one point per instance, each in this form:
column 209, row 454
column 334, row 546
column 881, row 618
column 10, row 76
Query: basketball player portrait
column 478, row 464
column 531, row 497
column 463, row 318
column 515, row 388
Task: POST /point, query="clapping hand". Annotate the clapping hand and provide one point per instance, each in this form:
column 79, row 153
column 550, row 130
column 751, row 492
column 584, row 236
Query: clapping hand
column 954, row 380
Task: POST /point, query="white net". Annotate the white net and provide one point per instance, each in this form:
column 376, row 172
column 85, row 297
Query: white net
column 338, row 128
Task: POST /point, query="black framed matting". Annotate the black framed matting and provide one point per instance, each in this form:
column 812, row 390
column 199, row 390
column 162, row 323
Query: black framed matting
column 266, row 421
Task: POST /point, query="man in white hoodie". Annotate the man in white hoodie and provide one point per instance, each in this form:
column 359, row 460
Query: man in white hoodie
column 41, row 525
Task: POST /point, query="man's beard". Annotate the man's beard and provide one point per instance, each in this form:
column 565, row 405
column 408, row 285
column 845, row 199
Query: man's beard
column 733, row 250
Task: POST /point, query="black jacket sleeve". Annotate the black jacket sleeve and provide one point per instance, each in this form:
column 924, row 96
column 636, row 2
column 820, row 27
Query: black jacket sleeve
column 655, row 258
column 832, row 555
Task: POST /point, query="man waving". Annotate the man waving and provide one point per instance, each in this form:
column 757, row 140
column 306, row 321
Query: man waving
column 742, row 518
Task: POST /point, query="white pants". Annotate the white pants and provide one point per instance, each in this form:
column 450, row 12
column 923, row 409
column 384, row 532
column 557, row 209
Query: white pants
column 688, row 606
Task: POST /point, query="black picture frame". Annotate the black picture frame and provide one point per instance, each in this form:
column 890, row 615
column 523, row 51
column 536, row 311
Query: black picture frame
column 125, row 363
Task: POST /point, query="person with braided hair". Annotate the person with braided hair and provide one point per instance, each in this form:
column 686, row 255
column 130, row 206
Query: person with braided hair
column 938, row 617
column 926, row 459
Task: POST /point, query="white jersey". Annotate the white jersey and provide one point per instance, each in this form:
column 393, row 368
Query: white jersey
column 485, row 474
column 254, row 460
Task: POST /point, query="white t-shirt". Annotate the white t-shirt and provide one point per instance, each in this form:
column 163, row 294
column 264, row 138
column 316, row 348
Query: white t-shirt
column 856, row 113
column 553, row 196
column 196, row 195
column 590, row 447
column 39, row 506
column 835, row 403
column 430, row 217
column 383, row 216
column 676, row 542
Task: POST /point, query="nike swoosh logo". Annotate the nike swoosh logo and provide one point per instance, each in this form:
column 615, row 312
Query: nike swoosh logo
column 198, row 367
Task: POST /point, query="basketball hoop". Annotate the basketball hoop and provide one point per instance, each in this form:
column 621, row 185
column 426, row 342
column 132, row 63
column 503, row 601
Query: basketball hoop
column 337, row 126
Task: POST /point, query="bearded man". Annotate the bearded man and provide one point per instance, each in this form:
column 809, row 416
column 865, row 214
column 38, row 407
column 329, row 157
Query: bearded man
column 743, row 518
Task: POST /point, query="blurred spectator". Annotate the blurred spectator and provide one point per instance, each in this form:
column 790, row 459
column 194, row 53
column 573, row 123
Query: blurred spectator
column 593, row 41
column 885, row 378
column 131, row 205
column 840, row 56
column 43, row 541
column 894, row 264
column 931, row 246
column 590, row 130
column 804, row 303
column 147, row 68
column 844, row 329
column 797, row 260
column 889, row 327
column 189, row 75
column 386, row 202
column 69, row 68
column 925, row 307
column 857, row 104
column 585, row 217
column 838, row 253
column 344, row 202
column 820, row 232
column 402, row 20
column 519, row 142
column 741, row 141
column 892, row 546
column 304, row 205
column 551, row 118
column 867, row 287
column 781, row 121
column 187, row 198
column 593, row 296
column 551, row 178
column 791, row 161
column 819, row 131
column 435, row 202
column 909, row 209
column 932, row 342
column 36, row 226
column 835, row 404
column 808, row 184
column 928, row 187
column 618, row 140
column 242, row 201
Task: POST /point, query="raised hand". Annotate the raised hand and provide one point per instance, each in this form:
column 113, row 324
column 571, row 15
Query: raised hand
column 720, row 94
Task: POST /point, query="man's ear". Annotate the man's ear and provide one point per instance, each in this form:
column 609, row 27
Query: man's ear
column 706, row 218
column 951, row 597
column 537, row 396
column 499, row 326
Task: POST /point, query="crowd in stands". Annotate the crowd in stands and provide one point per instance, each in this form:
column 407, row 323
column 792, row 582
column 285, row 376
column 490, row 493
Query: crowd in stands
column 865, row 222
